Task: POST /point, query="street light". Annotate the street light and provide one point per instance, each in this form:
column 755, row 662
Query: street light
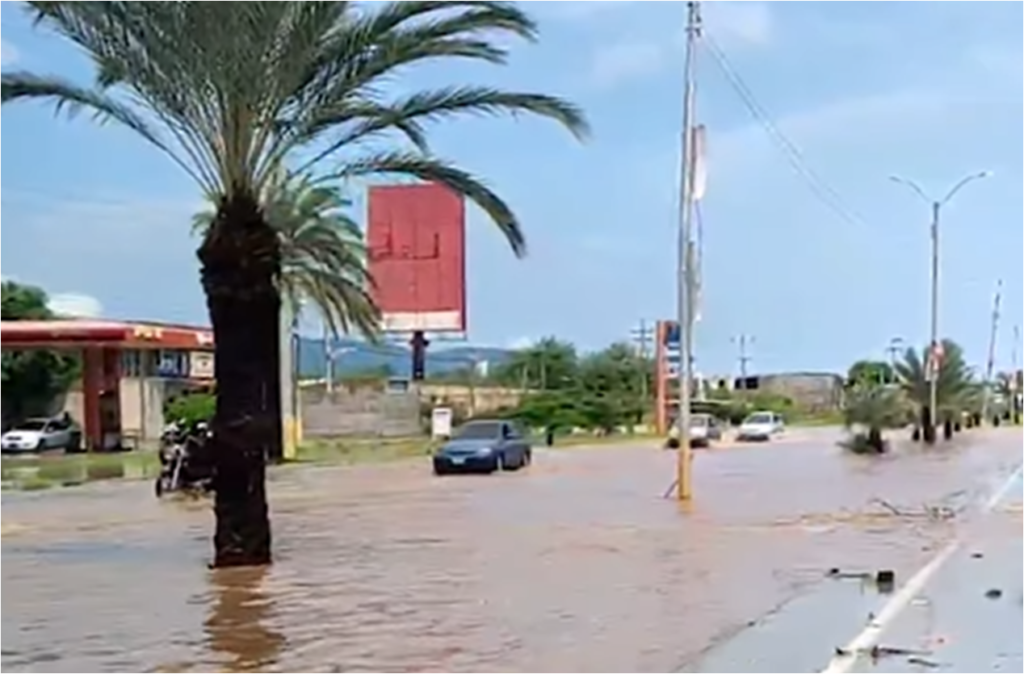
column 936, row 208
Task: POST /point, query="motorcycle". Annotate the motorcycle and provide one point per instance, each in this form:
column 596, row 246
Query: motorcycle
column 184, row 466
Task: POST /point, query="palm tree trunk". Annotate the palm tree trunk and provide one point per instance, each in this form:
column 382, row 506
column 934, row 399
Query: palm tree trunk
column 928, row 425
column 875, row 440
column 240, row 262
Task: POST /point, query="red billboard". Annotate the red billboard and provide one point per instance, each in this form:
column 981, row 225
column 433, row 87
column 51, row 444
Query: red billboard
column 416, row 236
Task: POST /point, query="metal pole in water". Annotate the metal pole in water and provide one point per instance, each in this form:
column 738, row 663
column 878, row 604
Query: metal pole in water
column 686, row 295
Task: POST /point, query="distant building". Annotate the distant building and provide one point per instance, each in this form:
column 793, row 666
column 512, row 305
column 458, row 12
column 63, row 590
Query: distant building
column 812, row 391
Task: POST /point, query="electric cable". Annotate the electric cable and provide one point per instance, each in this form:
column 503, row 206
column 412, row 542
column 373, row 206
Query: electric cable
column 824, row 192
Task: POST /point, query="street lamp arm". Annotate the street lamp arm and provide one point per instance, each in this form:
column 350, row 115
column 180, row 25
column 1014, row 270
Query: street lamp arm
column 960, row 185
column 913, row 186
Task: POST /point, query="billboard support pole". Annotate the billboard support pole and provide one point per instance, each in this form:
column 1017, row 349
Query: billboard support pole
column 419, row 344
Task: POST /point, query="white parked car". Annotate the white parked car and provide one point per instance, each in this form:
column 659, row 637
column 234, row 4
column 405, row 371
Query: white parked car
column 760, row 427
column 37, row 435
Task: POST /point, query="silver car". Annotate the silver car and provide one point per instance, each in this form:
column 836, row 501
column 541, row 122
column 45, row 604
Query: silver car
column 39, row 435
column 704, row 429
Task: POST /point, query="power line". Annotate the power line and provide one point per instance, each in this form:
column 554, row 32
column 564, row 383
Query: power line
column 824, row 192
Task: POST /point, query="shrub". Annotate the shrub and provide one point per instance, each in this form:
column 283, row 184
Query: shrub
column 191, row 408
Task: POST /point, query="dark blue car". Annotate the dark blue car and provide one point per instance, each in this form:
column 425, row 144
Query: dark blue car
column 484, row 447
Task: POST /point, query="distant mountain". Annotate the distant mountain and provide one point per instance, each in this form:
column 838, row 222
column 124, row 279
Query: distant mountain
column 355, row 357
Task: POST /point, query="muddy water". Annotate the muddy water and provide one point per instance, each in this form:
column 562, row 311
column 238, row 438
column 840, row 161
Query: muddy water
column 574, row 565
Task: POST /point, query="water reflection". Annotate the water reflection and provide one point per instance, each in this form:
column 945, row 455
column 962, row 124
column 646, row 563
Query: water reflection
column 237, row 626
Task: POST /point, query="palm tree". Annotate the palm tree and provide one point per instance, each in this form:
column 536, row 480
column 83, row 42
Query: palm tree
column 323, row 253
column 232, row 92
column 955, row 386
column 874, row 407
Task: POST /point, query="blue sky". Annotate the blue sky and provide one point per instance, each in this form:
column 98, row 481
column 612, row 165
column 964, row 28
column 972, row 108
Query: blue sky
column 930, row 91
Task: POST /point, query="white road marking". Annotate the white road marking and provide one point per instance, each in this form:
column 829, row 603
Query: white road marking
column 844, row 662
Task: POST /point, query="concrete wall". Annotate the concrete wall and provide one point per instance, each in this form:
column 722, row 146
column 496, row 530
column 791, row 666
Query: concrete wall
column 358, row 412
column 138, row 397
column 480, row 399
column 813, row 391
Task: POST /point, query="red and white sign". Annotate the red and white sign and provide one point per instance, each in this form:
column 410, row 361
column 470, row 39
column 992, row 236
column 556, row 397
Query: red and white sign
column 417, row 248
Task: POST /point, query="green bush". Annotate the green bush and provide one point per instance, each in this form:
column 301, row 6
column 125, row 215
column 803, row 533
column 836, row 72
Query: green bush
column 191, row 408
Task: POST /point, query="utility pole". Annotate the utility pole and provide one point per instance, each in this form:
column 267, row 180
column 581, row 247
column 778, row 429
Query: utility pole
column 328, row 341
column 643, row 337
column 990, row 365
column 935, row 348
column 895, row 348
column 686, row 278
column 1014, row 393
column 743, row 357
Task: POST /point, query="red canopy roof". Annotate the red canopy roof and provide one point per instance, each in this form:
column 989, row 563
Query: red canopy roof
column 79, row 333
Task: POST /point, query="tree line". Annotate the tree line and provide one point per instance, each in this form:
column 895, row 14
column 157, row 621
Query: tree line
column 33, row 380
column 883, row 396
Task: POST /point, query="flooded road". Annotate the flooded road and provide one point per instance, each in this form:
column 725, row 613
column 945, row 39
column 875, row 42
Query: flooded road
column 577, row 564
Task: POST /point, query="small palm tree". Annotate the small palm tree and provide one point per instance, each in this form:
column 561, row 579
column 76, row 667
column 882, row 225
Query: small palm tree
column 954, row 388
column 869, row 409
column 234, row 91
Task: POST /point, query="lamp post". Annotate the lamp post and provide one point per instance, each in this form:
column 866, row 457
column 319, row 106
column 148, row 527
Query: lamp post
column 933, row 350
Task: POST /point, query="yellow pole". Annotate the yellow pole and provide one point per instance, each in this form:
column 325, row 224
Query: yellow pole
column 684, row 472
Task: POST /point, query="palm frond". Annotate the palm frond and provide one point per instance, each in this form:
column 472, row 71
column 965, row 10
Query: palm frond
column 409, row 113
column 955, row 385
column 234, row 92
column 439, row 171
column 323, row 253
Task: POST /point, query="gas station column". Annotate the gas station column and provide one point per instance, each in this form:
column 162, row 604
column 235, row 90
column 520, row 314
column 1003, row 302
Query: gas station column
column 101, row 388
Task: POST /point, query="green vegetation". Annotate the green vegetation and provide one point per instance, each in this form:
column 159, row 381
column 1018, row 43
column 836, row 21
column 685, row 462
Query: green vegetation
column 882, row 398
column 63, row 470
column 235, row 92
column 870, row 409
column 323, row 253
column 563, row 391
column 191, row 408
column 32, row 380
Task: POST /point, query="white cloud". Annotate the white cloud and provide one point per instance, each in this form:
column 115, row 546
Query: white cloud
column 75, row 305
column 856, row 119
column 627, row 61
column 520, row 343
column 8, row 54
column 739, row 24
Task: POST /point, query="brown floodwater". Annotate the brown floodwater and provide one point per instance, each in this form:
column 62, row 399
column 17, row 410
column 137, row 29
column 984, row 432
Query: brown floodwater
column 577, row 564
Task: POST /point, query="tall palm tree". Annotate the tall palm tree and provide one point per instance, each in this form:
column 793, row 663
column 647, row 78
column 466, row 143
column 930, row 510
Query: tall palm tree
column 955, row 385
column 323, row 253
column 231, row 92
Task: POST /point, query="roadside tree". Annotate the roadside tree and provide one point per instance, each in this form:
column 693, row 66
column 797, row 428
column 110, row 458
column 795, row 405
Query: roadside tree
column 869, row 410
column 955, row 388
column 235, row 92
column 32, row 380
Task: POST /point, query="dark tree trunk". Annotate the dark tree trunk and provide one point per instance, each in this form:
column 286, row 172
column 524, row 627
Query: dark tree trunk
column 240, row 260
column 875, row 440
column 947, row 430
column 927, row 426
